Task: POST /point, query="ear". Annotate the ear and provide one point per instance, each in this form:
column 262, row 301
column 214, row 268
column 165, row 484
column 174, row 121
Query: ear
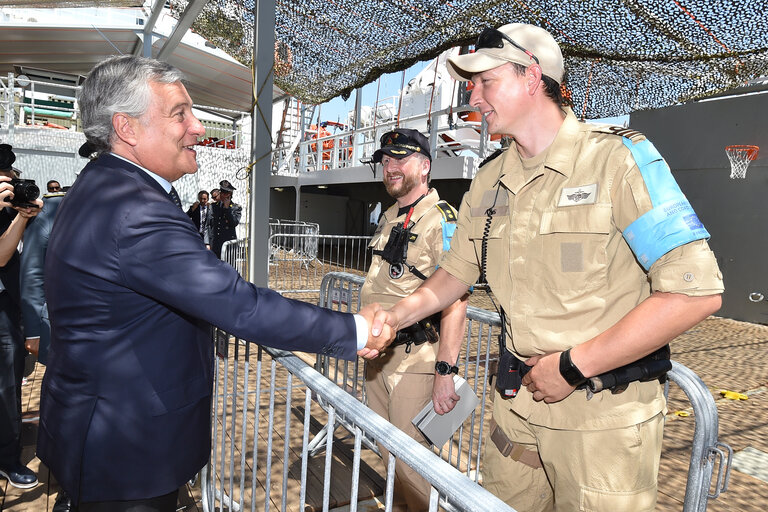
column 533, row 78
column 125, row 128
column 425, row 168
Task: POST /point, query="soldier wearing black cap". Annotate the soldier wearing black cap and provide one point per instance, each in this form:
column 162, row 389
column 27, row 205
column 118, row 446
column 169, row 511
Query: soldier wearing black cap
column 13, row 222
column 225, row 218
column 411, row 236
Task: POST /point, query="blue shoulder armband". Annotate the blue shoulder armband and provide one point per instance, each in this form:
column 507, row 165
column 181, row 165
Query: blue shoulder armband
column 448, row 222
column 671, row 222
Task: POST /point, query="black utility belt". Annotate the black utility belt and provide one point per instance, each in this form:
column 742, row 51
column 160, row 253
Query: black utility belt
column 654, row 366
column 427, row 330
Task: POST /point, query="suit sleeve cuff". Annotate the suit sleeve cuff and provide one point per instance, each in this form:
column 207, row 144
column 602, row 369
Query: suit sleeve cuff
column 361, row 325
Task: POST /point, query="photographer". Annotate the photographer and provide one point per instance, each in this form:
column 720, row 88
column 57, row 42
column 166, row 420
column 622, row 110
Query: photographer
column 13, row 221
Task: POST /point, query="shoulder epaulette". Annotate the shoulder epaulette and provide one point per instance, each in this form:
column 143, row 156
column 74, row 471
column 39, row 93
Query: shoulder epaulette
column 447, row 211
column 627, row 133
column 492, row 156
column 53, row 194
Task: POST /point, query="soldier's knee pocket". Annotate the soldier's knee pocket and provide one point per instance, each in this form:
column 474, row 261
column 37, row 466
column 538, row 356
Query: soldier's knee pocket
column 599, row 500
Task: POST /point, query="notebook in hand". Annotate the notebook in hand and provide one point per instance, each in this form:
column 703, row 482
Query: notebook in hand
column 439, row 429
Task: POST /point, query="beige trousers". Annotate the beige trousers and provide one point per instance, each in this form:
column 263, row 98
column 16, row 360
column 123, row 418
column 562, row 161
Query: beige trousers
column 397, row 398
column 590, row 470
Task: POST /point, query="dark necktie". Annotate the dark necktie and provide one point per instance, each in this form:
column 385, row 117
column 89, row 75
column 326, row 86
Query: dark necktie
column 175, row 197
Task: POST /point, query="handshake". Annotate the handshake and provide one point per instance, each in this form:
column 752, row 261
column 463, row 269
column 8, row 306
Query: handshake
column 382, row 329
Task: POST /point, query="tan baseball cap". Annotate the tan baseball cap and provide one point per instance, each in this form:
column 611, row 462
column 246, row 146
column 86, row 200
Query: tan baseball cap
column 517, row 42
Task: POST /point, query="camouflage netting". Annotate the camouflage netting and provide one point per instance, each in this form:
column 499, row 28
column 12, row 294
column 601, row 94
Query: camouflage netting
column 622, row 55
column 43, row 4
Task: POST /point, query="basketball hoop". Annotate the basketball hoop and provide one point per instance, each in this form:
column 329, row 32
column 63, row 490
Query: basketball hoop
column 740, row 157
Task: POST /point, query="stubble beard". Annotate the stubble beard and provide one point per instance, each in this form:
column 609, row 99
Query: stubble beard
column 403, row 187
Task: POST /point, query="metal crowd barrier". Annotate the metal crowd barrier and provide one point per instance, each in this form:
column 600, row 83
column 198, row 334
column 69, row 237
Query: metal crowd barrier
column 260, row 457
column 340, row 291
column 235, row 252
column 298, row 261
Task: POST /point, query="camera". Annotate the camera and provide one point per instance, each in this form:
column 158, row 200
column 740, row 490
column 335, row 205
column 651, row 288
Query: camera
column 24, row 193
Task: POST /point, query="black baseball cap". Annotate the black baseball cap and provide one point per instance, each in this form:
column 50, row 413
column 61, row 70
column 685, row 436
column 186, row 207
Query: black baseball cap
column 401, row 142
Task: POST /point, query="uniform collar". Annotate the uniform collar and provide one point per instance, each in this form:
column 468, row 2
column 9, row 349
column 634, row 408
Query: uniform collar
column 559, row 158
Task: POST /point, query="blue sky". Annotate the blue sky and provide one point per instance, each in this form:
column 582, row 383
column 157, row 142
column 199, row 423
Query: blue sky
column 337, row 109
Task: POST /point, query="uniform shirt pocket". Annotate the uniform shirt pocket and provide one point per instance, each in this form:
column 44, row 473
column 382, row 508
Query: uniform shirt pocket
column 573, row 244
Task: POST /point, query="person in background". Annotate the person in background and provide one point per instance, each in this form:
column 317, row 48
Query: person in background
column 37, row 327
column 132, row 295
column 596, row 261
column 200, row 213
column 13, row 222
column 215, row 195
column 420, row 364
column 225, row 216
column 53, row 186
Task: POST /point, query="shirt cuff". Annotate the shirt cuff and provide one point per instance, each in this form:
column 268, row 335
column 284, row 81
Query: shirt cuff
column 361, row 325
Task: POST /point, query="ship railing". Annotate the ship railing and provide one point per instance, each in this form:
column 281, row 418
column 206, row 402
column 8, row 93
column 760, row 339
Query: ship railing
column 341, row 291
column 40, row 104
column 56, row 111
column 451, row 132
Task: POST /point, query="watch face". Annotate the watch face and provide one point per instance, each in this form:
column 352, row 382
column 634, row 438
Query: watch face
column 442, row 368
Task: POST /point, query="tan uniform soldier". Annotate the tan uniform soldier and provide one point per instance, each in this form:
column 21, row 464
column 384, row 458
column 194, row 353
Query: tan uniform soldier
column 596, row 260
column 410, row 238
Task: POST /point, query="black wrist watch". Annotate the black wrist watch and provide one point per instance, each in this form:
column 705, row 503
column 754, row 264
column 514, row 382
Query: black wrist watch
column 443, row 368
column 568, row 370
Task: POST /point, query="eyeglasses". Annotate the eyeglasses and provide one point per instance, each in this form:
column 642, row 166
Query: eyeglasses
column 492, row 38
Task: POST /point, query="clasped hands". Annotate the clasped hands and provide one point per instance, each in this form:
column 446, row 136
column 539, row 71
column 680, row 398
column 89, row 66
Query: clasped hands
column 382, row 329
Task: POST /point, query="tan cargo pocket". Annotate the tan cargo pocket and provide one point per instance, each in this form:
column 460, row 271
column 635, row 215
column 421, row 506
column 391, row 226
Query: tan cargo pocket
column 595, row 500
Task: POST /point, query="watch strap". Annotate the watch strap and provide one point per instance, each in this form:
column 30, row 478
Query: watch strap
column 440, row 368
column 569, row 371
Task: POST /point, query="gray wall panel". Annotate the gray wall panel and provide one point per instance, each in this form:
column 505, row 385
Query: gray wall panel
column 692, row 139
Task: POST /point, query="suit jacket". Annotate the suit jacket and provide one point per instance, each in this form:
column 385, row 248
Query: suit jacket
column 132, row 293
column 33, row 306
column 198, row 219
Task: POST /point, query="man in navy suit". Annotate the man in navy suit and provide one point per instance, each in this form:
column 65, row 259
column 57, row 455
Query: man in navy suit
column 200, row 213
column 132, row 294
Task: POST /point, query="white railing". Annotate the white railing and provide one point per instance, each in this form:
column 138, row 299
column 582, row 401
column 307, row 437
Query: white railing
column 451, row 132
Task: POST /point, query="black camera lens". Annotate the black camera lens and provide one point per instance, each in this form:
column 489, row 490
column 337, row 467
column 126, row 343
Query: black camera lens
column 24, row 192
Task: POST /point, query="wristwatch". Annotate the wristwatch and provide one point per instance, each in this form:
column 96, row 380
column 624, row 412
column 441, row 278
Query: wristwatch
column 568, row 370
column 443, row 368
